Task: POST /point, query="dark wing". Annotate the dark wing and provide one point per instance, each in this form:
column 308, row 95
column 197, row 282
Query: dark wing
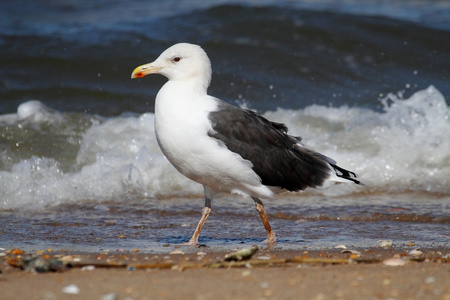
column 275, row 155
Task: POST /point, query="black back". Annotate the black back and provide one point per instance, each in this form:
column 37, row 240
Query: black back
column 275, row 155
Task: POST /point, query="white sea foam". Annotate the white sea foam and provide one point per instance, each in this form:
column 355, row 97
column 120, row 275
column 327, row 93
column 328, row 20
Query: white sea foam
column 405, row 148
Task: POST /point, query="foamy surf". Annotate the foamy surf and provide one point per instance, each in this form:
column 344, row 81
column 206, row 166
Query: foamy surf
column 404, row 148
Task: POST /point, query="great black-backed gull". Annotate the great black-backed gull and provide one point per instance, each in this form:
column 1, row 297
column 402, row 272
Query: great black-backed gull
column 226, row 148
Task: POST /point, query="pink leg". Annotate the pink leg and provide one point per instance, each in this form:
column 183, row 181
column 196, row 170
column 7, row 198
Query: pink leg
column 209, row 194
column 194, row 239
column 271, row 236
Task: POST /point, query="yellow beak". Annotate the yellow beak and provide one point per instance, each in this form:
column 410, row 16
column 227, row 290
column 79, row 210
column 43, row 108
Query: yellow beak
column 144, row 70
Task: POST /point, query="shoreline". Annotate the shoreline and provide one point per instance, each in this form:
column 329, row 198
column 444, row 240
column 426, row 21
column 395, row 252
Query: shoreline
column 202, row 273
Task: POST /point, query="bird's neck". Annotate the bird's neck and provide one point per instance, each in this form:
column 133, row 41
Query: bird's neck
column 175, row 89
column 180, row 96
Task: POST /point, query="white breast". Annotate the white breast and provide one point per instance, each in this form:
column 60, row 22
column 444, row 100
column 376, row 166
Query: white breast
column 182, row 126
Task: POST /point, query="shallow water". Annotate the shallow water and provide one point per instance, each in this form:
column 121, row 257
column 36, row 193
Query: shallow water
column 305, row 222
column 363, row 82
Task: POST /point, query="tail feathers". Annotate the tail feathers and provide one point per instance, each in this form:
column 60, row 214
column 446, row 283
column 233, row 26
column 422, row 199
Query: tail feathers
column 345, row 174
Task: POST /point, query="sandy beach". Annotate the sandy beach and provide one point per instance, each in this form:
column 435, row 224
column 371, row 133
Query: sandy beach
column 202, row 273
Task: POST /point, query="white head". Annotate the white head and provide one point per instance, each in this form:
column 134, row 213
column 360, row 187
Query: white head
column 180, row 62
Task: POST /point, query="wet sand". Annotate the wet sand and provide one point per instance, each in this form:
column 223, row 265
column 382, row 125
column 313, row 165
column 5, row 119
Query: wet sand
column 202, row 273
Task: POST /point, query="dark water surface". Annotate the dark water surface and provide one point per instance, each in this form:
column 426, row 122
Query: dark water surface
column 77, row 56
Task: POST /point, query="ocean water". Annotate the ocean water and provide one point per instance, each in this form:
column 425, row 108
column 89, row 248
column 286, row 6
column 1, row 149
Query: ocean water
column 363, row 82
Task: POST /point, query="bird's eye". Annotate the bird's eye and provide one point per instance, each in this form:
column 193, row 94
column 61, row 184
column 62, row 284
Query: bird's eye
column 176, row 59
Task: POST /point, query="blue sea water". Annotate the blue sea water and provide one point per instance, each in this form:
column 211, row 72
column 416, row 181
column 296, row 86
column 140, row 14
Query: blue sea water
column 364, row 82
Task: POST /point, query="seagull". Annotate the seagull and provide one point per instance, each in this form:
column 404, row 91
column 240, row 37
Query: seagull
column 226, row 148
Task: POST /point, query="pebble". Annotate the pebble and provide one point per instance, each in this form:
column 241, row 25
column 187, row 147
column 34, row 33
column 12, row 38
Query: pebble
column 72, row 289
column 394, row 262
column 88, row 268
column 111, row 296
column 177, row 252
column 415, row 252
column 354, row 252
column 17, row 251
column 101, row 207
column 242, row 254
column 67, row 258
column 385, row 243
column 262, row 257
column 430, row 280
column 299, row 221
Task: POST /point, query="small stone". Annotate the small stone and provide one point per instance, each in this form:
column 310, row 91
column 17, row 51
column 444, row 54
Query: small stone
column 415, row 253
column 177, row 252
column 300, row 221
column 394, row 262
column 430, row 280
column 242, row 254
column 264, row 285
column 111, row 296
column 262, row 257
column 67, row 258
column 17, row 251
column 72, row 289
column 385, row 243
column 354, row 253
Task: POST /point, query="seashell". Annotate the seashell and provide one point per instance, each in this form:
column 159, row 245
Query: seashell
column 340, row 247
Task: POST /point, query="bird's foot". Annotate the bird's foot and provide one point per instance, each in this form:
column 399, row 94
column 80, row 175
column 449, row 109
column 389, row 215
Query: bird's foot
column 271, row 239
column 193, row 244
